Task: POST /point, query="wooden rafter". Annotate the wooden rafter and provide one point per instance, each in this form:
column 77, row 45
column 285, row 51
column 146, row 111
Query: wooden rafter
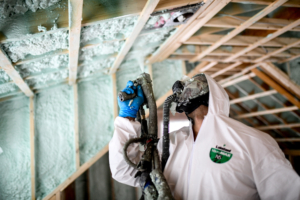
column 76, row 126
column 276, row 86
column 222, row 71
column 75, row 17
column 267, row 112
column 237, row 80
column 264, row 40
column 32, row 146
column 279, row 126
column 142, row 20
column 239, row 29
column 253, row 96
column 291, row 3
column 7, row 66
column 290, row 59
column 185, row 31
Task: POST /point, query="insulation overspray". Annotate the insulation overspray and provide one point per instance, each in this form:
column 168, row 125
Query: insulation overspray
column 8, row 87
column 4, row 77
column 17, row 50
column 54, row 138
column 15, row 176
column 44, row 65
column 94, row 67
column 165, row 74
column 49, row 78
column 95, row 98
column 11, row 7
column 119, row 28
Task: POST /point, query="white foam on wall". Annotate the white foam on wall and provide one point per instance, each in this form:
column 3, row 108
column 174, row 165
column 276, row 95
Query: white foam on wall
column 8, row 87
column 4, row 76
column 91, row 68
column 17, row 50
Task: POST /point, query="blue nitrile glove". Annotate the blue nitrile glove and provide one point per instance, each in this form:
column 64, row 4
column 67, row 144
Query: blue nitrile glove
column 130, row 107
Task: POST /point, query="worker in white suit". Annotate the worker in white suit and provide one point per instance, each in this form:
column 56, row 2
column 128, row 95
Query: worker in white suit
column 216, row 157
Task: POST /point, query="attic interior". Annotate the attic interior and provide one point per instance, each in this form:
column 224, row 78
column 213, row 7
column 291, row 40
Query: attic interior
column 63, row 62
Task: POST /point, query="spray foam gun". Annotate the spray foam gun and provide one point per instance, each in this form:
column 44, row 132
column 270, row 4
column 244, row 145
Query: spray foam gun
column 152, row 180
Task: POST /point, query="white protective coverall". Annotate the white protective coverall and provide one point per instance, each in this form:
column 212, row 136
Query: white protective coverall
column 255, row 167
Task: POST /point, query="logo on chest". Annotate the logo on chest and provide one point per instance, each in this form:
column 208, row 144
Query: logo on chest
column 220, row 154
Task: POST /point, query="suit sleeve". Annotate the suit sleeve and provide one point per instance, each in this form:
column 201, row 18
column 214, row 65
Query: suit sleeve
column 121, row 171
column 275, row 178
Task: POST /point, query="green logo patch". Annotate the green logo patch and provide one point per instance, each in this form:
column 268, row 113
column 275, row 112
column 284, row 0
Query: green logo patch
column 219, row 156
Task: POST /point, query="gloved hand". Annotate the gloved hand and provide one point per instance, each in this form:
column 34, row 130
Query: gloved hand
column 129, row 108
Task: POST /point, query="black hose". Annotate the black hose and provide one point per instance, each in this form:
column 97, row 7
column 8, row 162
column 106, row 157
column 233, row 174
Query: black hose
column 166, row 139
column 126, row 145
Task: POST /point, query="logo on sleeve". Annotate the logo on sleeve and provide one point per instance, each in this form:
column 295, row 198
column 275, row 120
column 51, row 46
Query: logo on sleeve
column 220, row 154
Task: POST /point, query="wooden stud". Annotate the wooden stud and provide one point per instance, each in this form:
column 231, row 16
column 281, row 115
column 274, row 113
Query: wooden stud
column 150, row 71
column 276, row 86
column 14, row 75
column 143, row 18
column 267, row 112
column 239, row 29
column 185, row 31
column 291, row 152
column 32, row 146
column 264, row 40
column 281, row 77
column 277, row 51
column 58, row 195
column 75, row 17
column 279, row 126
column 76, row 126
column 253, row 96
column 115, row 94
column 222, row 71
column 183, row 66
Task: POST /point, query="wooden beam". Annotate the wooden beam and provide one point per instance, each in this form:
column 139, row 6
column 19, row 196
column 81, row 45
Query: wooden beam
column 279, row 126
column 115, row 94
column 183, row 66
column 290, row 59
column 75, row 17
column 253, row 96
column 76, row 174
column 281, row 77
column 264, row 40
column 290, row 3
column 239, row 40
column 222, row 71
column 76, row 126
column 228, row 22
column 239, row 29
column 185, row 31
column 267, row 112
column 58, row 195
column 32, row 145
column 277, row 51
column 276, row 86
column 143, row 18
column 237, row 80
column 206, row 67
column 7, row 66
column 291, row 152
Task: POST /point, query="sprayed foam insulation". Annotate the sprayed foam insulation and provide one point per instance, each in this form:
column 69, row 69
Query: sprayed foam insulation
column 165, row 74
column 4, row 78
column 17, row 50
column 100, row 50
column 129, row 70
column 95, row 98
column 8, row 87
column 112, row 29
column 54, row 138
column 295, row 70
column 47, row 78
column 43, row 66
column 15, row 176
column 9, row 8
column 101, row 66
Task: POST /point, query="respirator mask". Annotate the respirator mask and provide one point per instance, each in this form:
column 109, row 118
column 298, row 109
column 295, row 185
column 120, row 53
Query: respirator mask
column 191, row 93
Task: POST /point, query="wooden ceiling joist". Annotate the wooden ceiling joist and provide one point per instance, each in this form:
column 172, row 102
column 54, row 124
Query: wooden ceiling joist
column 279, row 126
column 222, row 71
column 237, row 80
column 277, row 87
column 239, row 29
column 185, row 31
column 75, row 17
column 142, row 20
column 264, row 40
column 7, row 66
column 253, row 96
column 278, row 51
column 290, row 3
column 240, row 40
column 268, row 112
column 290, row 59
